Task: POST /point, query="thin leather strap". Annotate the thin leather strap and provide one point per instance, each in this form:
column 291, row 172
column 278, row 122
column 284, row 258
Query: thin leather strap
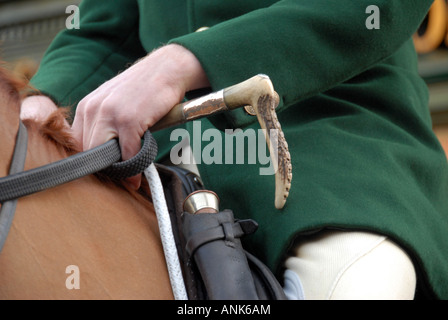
column 223, row 231
column 79, row 165
column 17, row 164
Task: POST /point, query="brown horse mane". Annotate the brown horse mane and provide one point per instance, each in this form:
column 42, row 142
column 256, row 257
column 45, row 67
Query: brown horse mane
column 11, row 84
column 55, row 129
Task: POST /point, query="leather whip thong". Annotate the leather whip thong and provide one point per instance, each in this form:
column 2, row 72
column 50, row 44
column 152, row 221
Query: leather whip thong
column 258, row 97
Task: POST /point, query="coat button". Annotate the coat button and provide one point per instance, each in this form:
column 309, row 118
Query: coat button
column 202, row 29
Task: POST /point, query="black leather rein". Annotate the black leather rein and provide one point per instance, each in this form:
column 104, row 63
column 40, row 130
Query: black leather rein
column 105, row 158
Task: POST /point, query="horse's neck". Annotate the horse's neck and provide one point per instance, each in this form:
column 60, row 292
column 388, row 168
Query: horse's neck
column 109, row 234
column 41, row 151
column 9, row 117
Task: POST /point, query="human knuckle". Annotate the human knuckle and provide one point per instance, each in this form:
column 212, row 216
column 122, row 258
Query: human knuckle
column 87, row 107
column 127, row 116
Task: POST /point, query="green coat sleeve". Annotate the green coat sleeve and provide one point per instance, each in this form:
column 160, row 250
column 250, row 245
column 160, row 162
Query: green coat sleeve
column 305, row 46
column 79, row 60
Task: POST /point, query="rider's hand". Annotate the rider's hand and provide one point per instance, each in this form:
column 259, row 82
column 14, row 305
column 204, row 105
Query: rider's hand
column 133, row 101
column 37, row 108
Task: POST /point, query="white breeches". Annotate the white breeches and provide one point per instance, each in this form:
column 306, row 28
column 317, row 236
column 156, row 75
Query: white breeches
column 337, row 265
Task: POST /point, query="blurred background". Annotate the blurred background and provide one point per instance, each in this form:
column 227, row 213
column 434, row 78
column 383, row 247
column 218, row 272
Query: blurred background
column 28, row 26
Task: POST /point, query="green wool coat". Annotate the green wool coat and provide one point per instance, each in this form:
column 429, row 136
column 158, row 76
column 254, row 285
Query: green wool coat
column 352, row 105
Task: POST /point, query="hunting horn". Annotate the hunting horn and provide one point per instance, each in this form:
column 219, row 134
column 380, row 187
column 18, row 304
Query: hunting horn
column 258, row 97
